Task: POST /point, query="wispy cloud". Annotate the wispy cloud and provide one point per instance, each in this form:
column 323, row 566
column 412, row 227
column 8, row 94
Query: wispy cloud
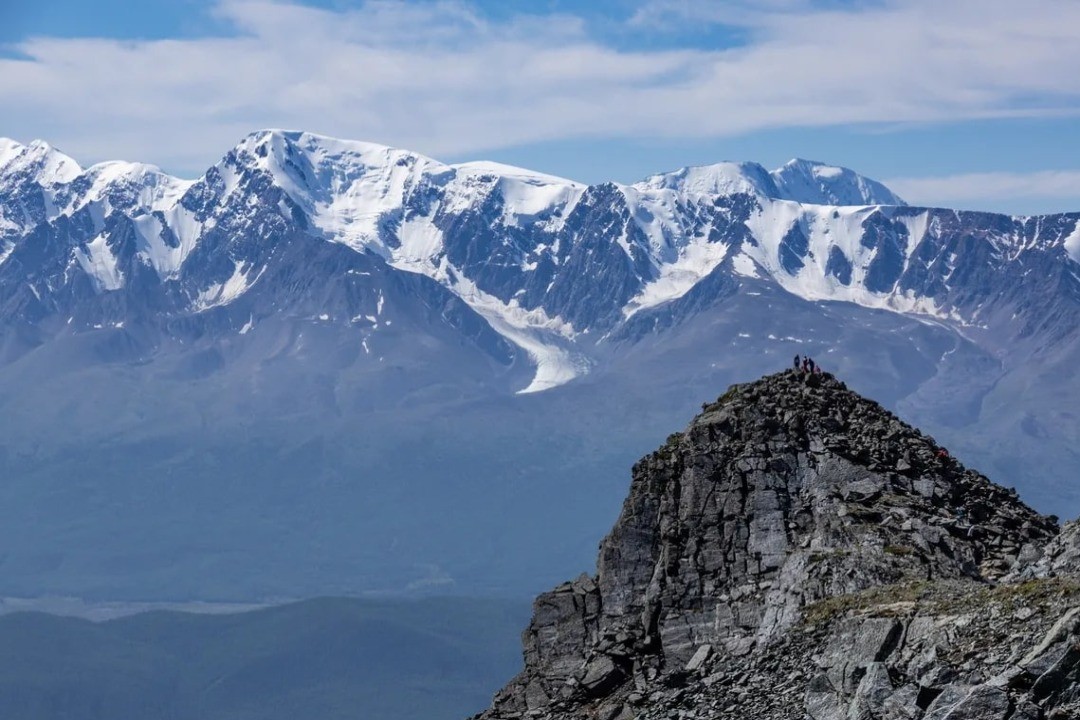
column 442, row 78
column 989, row 188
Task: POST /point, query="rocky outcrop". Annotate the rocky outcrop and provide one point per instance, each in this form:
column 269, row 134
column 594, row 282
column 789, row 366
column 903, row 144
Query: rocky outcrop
column 1060, row 557
column 799, row 552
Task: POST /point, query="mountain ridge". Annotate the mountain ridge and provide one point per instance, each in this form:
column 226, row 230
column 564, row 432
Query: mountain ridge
column 769, row 183
column 659, row 238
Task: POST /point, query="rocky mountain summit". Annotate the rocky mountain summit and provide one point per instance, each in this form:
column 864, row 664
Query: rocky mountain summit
column 800, row 552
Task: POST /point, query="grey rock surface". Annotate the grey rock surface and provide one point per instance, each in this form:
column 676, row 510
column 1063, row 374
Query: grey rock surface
column 799, row 552
column 1061, row 556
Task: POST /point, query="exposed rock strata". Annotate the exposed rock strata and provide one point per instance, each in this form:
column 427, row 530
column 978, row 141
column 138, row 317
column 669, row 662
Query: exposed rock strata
column 799, row 552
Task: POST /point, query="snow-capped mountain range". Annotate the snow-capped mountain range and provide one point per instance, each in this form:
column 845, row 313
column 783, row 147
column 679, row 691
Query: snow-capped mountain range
column 546, row 262
column 315, row 305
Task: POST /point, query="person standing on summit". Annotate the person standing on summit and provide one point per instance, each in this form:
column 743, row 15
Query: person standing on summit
column 797, row 361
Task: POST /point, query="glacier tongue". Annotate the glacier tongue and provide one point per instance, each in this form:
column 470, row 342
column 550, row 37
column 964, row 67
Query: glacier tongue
column 547, row 340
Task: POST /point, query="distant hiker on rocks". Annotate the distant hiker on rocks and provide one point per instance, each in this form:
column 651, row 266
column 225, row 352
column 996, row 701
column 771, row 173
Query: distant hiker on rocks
column 811, row 365
column 797, row 362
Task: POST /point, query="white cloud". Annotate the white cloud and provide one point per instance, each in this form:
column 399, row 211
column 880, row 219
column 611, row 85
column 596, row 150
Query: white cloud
column 989, row 187
column 440, row 78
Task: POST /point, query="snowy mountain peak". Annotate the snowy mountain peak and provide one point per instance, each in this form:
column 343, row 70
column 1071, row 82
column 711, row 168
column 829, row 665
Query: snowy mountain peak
column 129, row 185
column 8, row 149
column 41, row 160
column 481, row 168
column 279, row 149
column 815, row 183
column 344, row 186
column 802, row 181
column 725, row 178
column 316, row 143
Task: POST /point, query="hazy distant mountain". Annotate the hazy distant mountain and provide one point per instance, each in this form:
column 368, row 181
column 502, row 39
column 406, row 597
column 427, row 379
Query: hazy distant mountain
column 426, row 375
column 330, row 658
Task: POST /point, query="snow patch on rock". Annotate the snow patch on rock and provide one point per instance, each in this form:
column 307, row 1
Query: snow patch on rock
column 98, row 261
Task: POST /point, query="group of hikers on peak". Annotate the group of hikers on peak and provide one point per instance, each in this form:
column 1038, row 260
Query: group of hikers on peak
column 807, row 365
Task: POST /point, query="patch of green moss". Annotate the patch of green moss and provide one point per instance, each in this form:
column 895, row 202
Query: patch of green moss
column 730, row 393
column 1034, row 592
column 832, row 608
column 945, row 598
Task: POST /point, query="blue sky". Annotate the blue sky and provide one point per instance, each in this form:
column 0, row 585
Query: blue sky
column 970, row 103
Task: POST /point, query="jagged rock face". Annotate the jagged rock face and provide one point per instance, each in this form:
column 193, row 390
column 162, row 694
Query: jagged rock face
column 921, row 651
column 1060, row 557
column 784, row 493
